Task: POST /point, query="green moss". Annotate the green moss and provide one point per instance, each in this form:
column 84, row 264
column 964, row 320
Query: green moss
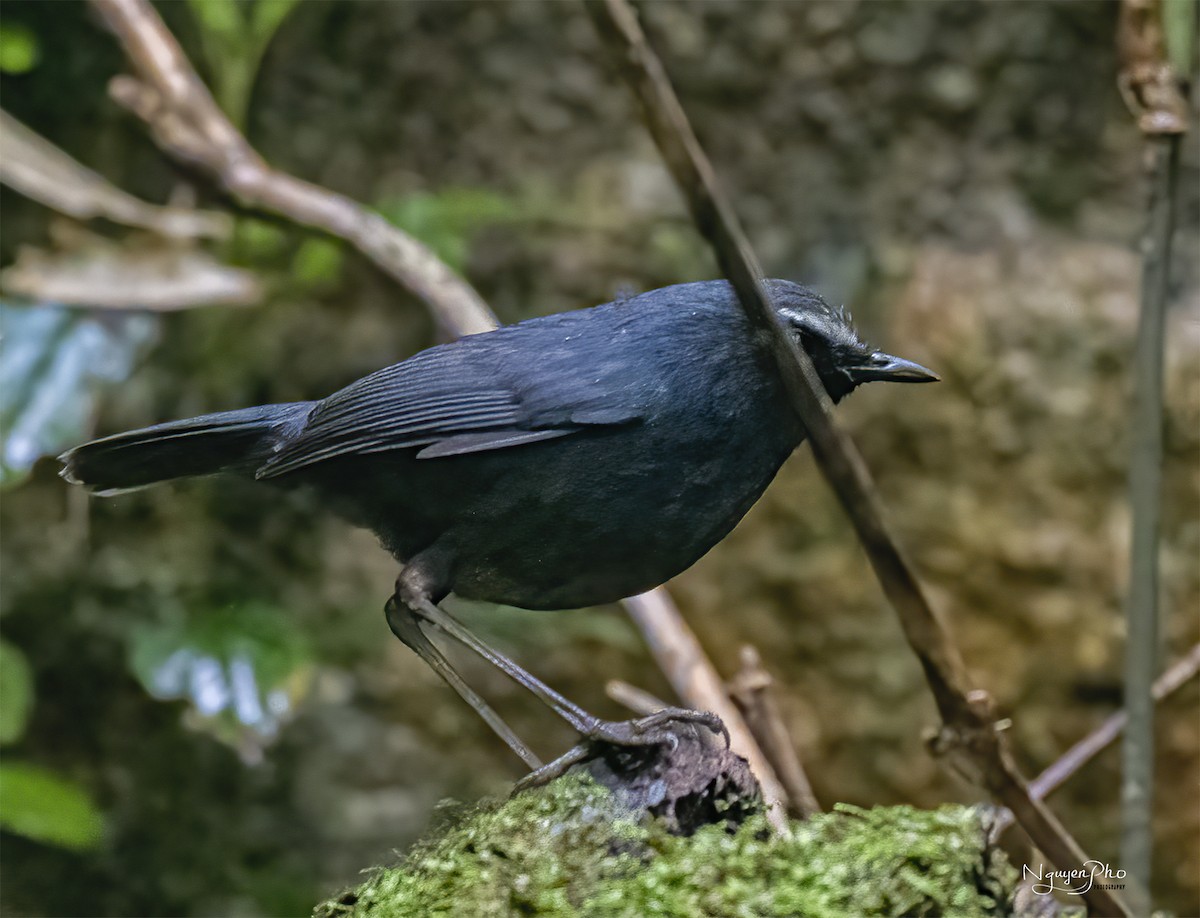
column 566, row 850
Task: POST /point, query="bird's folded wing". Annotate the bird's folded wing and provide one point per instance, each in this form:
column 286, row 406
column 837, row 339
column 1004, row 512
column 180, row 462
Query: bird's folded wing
column 448, row 406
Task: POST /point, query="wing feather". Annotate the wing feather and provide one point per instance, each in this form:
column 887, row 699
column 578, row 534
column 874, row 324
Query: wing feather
column 479, row 393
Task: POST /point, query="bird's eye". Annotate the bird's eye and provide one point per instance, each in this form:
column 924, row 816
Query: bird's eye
column 806, row 339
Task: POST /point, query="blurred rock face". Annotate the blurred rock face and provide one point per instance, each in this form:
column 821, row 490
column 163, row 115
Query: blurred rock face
column 963, row 175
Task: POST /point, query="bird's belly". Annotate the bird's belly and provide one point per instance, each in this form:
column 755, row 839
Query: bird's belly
column 576, row 521
column 546, row 538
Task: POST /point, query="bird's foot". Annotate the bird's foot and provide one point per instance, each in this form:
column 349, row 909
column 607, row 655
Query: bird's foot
column 658, row 729
column 654, row 729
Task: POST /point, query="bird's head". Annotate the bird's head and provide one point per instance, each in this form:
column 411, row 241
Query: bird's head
column 842, row 359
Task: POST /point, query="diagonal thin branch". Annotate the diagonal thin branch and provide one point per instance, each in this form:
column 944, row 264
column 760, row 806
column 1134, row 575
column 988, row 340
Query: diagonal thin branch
column 185, row 121
column 638, row 700
column 1177, row 675
column 968, row 733
column 39, row 170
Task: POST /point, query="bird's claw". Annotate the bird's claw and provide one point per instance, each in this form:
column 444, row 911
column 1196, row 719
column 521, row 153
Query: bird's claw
column 652, row 730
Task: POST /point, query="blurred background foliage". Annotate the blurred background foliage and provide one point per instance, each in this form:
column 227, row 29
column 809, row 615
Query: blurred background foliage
column 201, row 709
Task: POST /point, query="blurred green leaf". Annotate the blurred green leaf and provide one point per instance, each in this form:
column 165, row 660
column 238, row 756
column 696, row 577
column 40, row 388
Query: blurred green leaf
column 54, row 360
column 16, row 693
column 241, row 669
column 317, row 262
column 267, row 16
column 1179, row 25
column 257, row 240
column 222, row 18
column 234, row 34
column 19, row 49
column 42, row 806
column 445, row 221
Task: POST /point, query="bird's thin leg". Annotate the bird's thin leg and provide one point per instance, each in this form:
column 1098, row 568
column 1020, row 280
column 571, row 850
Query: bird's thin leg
column 574, row 715
column 645, row 730
column 406, row 625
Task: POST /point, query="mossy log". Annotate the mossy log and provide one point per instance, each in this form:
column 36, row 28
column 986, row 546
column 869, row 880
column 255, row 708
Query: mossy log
column 680, row 832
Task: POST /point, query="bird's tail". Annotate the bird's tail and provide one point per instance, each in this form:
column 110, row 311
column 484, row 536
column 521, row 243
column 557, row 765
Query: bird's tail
column 228, row 441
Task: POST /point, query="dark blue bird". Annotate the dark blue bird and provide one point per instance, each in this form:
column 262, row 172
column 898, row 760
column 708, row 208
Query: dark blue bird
column 570, row 460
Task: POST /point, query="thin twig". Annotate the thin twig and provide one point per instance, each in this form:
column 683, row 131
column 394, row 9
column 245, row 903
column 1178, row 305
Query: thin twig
column 638, row 700
column 968, row 734
column 1062, row 768
column 1152, row 92
column 38, row 169
column 752, row 690
column 187, row 124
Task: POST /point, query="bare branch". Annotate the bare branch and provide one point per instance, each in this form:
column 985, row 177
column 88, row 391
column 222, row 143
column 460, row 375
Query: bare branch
column 968, row 734
column 38, row 169
column 186, row 123
column 751, row 689
column 638, row 700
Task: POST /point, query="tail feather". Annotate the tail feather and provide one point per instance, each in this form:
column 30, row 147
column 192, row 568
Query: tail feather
column 229, row 441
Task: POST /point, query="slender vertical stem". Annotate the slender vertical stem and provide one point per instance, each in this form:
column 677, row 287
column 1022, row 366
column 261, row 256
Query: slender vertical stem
column 1142, row 647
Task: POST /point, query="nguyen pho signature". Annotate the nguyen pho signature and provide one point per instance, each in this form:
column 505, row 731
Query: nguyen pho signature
column 1076, row 882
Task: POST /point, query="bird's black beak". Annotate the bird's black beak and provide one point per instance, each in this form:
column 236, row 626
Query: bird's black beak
column 885, row 367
